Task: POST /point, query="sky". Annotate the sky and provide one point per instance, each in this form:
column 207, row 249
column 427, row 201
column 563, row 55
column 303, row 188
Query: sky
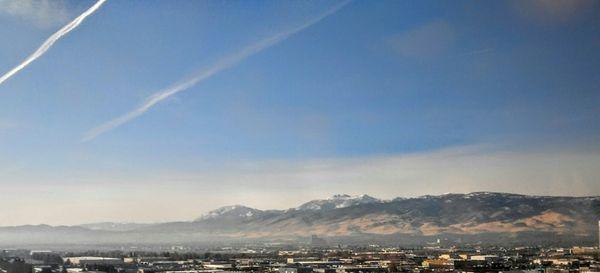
column 152, row 111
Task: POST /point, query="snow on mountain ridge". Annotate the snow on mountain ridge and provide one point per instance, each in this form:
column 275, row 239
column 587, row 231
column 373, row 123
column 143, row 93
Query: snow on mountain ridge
column 230, row 211
column 113, row 226
column 338, row 201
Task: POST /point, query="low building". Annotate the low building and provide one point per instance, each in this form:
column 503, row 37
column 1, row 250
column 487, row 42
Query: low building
column 487, row 258
column 15, row 265
column 361, row 269
column 438, row 264
column 87, row 261
column 295, row 270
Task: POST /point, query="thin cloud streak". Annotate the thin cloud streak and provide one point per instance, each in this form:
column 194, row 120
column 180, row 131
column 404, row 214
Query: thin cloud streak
column 478, row 52
column 219, row 66
column 51, row 40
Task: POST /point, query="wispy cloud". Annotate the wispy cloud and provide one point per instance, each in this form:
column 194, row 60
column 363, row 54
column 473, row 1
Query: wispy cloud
column 50, row 41
column 219, row 66
column 7, row 125
column 42, row 13
column 537, row 170
column 478, row 51
column 555, row 12
column 425, row 41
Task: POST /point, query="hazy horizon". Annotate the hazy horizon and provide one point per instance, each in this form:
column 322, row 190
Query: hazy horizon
column 156, row 111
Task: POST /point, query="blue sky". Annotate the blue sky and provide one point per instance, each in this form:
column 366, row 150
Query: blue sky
column 461, row 96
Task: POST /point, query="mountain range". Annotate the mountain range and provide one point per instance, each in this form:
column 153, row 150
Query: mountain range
column 342, row 218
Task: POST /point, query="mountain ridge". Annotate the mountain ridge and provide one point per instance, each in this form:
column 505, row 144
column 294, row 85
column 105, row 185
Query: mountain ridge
column 471, row 214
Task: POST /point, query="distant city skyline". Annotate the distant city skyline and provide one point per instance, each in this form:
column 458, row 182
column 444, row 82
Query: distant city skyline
column 153, row 111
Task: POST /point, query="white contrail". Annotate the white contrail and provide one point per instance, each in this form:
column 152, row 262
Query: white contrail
column 219, row 66
column 51, row 40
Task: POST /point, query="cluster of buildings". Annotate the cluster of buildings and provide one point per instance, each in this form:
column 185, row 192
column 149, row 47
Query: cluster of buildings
column 269, row 259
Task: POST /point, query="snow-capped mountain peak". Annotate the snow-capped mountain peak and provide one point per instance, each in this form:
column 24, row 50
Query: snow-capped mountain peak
column 338, row 201
column 237, row 211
